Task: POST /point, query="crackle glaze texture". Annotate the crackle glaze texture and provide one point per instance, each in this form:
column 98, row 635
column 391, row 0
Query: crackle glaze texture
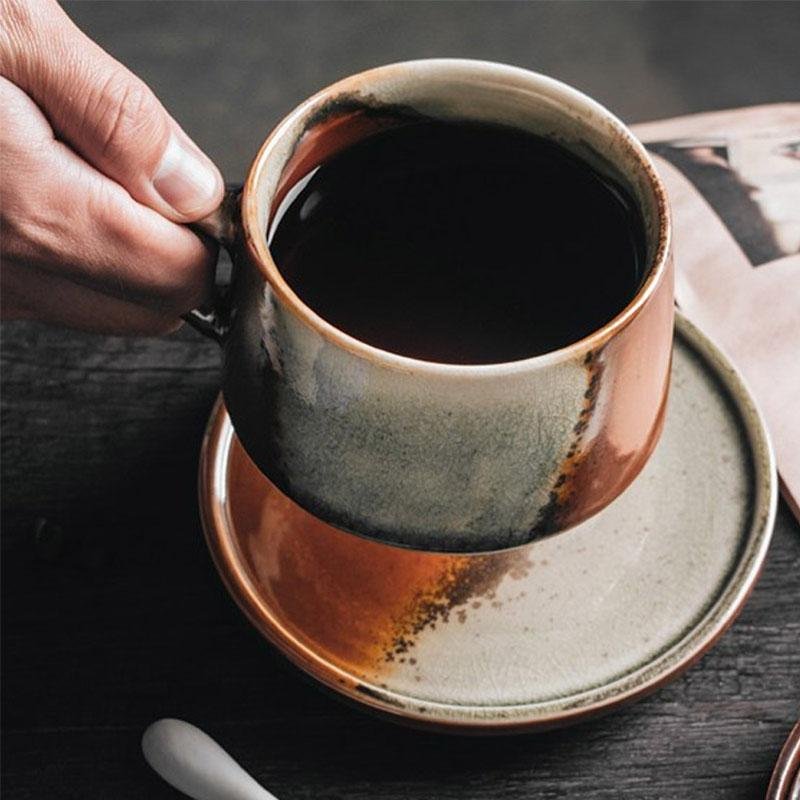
column 530, row 637
column 431, row 456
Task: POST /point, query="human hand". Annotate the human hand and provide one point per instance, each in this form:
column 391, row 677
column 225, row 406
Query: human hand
column 95, row 179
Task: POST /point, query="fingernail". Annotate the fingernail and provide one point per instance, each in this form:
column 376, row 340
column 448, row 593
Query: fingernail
column 183, row 180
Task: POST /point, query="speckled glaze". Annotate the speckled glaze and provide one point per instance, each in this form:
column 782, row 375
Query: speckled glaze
column 531, row 638
column 439, row 456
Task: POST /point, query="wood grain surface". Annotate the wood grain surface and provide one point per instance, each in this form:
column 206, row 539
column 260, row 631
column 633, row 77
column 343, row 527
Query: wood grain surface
column 112, row 612
column 113, row 616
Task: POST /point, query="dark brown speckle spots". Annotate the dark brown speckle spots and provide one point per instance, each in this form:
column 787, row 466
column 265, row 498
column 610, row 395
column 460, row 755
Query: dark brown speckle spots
column 549, row 518
column 465, row 578
column 367, row 691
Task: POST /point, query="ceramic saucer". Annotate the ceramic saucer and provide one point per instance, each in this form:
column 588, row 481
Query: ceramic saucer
column 540, row 636
column 785, row 781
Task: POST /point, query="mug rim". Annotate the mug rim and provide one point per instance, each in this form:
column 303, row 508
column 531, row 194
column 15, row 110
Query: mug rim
column 256, row 240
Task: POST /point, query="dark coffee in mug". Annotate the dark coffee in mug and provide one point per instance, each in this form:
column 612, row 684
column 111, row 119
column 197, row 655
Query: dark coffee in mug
column 461, row 242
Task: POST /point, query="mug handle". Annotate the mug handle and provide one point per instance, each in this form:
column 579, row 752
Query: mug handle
column 224, row 225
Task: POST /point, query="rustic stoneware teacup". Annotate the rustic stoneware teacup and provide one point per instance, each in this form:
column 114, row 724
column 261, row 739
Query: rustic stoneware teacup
column 436, row 456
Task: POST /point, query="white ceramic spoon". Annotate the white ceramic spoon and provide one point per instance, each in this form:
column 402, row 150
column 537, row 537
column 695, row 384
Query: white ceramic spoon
column 196, row 765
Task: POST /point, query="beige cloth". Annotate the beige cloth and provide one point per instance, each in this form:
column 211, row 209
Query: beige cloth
column 733, row 178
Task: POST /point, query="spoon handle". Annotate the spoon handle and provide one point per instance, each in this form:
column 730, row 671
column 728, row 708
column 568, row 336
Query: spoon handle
column 195, row 764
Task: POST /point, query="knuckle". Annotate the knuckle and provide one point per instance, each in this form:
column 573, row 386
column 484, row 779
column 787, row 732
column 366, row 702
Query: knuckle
column 27, row 232
column 169, row 290
column 25, row 132
column 177, row 281
column 158, row 264
column 123, row 113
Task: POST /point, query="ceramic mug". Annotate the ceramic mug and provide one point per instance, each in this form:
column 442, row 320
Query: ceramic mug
column 432, row 456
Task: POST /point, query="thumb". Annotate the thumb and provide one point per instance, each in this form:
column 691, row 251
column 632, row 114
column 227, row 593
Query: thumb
column 106, row 113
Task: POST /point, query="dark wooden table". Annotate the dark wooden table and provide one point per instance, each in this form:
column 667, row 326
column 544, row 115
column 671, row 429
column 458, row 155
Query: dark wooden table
column 112, row 612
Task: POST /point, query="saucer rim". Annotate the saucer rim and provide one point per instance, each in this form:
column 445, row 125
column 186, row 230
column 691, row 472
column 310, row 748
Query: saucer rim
column 517, row 717
column 787, row 767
